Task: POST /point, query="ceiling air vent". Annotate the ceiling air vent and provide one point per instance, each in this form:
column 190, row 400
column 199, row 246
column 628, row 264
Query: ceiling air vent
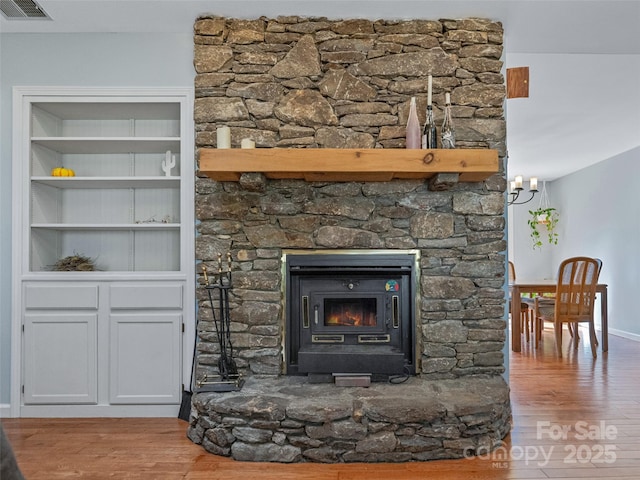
column 22, row 10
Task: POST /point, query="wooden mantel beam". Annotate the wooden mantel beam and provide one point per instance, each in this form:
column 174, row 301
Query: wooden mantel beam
column 342, row 165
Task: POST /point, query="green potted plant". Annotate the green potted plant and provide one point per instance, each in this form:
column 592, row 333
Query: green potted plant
column 543, row 217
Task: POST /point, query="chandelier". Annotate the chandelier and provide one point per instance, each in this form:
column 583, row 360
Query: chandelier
column 516, row 189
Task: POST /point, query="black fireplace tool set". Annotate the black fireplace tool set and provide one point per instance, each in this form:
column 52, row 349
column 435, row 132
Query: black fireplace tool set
column 228, row 379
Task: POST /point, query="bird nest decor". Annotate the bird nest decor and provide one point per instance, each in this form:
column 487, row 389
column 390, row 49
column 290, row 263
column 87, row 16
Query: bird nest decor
column 74, row 263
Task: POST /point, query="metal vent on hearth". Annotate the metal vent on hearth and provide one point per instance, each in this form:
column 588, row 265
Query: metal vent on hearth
column 22, row 10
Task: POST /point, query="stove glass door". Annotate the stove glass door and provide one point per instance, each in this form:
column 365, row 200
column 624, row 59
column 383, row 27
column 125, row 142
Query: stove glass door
column 350, row 312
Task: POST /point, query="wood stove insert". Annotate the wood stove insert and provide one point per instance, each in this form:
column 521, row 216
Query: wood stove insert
column 350, row 313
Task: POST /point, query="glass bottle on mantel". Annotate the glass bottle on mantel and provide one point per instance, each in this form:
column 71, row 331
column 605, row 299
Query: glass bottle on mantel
column 429, row 135
column 413, row 126
column 448, row 133
column 429, row 138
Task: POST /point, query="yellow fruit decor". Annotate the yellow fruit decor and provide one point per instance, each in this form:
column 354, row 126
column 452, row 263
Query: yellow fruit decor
column 62, row 172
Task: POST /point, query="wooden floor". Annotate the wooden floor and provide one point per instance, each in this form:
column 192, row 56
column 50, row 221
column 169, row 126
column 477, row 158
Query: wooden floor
column 573, row 418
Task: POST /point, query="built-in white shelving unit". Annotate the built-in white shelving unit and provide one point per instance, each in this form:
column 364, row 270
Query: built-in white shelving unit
column 120, row 188
column 129, row 209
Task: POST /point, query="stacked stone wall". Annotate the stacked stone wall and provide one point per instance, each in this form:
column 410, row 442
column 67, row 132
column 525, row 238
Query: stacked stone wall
column 294, row 82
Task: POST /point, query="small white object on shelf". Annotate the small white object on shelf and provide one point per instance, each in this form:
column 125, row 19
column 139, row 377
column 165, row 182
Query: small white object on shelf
column 247, row 143
column 224, row 137
column 168, row 163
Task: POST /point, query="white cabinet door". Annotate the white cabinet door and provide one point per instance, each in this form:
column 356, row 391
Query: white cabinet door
column 145, row 358
column 60, row 360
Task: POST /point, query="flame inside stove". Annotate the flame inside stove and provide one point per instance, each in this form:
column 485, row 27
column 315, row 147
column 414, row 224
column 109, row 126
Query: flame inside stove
column 350, row 313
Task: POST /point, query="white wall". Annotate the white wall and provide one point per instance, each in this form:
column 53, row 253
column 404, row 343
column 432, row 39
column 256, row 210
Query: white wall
column 599, row 217
column 126, row 60
column 598, row 205
column 530, row 263
column 602, row 219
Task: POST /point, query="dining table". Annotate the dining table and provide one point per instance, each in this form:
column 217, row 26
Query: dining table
column 539, row 287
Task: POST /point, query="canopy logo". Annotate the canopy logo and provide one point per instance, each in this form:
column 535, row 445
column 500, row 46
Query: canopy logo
column 596, row 447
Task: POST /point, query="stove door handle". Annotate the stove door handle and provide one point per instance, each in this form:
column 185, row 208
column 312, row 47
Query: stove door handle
column 305, row 311
column 315, row 314
column 395, row 311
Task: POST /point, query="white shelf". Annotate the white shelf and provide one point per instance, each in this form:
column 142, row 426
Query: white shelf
column 112, row 110
column 108, row 182
column 117, row 149
column 96, row 145
column 107, row 226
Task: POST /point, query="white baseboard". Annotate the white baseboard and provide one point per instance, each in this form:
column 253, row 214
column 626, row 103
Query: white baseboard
column 64, row 411
column 623, row 334
column 5, row 410
column 99, row 411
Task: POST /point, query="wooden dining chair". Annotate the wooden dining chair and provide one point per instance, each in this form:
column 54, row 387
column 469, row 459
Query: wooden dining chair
column 525, row 311
column 550, row 302
column 574, row 300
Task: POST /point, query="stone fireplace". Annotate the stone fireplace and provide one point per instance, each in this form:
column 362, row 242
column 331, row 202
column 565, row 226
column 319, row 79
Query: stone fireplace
column 295, row 82
column 350, row 312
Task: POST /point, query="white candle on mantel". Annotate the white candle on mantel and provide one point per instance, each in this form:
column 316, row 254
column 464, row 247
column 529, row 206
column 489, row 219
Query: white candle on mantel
column 513, row 187
column 224, row 137
column 518, row 181
column 533, row 183
column 429, row 89
column 247, row 143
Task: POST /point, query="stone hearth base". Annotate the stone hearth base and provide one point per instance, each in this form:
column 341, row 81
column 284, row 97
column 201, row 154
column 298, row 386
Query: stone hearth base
column 286, row 419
